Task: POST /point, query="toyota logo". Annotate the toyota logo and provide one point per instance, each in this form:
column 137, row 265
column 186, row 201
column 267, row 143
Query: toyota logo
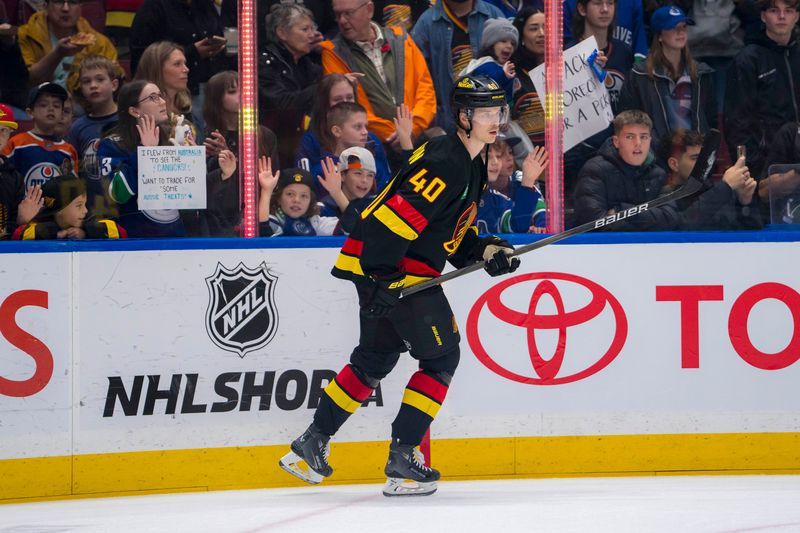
column 503, row 307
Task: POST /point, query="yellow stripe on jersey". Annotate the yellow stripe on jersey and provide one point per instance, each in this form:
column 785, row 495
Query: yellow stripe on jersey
column 421, row 402
column 416, row 280
column 341, row 398
column 348, row 263
column 378, row 199
column 396, row 224
column 30, row 232
column 111, row 228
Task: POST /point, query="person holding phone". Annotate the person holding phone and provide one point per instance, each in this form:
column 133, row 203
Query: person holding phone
column 196, row 26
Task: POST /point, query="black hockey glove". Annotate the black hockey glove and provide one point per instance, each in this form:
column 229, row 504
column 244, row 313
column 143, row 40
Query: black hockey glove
column 496, row 254
column 385, row 293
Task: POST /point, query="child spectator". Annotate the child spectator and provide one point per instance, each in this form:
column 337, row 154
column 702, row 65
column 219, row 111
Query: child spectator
column 318, row 142
column 350, row 185
column 99, row 79
column 143, row 121
column 670, row 86
column 221, row 114
column 40, row 154
column 288, row 206
column 623, row 174
column 728, row 204
column 347, row 127
column 497, row 213
column 7, row 124
column 527, row 110
column 65, row 214
column 498, row 43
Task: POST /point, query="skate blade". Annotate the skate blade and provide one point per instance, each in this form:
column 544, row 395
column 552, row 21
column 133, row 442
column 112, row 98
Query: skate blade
column 295, row 465
column 407, row 487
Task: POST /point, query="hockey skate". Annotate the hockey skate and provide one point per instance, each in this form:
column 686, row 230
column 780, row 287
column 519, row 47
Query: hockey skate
column 308, row 459
column 407, row 474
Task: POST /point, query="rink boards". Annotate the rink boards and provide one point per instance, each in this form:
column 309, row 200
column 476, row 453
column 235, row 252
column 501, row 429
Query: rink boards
column 133, row 367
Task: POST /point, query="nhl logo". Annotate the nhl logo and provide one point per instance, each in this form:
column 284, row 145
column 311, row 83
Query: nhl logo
column 241, row 315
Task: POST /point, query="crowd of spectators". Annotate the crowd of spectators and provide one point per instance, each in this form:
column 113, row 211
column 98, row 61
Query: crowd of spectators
column 347, row 89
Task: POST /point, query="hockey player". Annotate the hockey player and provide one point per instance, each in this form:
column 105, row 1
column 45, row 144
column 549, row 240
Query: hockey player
column 422, row 218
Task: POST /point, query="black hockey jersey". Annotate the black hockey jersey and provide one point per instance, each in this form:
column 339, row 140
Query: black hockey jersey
column 422, row 218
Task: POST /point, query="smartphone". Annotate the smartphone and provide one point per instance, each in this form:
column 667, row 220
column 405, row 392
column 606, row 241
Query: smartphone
column 231, row 40
column 741, row 151
column 216, row 39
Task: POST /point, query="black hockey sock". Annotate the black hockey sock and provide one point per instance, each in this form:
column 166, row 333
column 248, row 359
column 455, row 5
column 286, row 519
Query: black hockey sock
column 341, row 398
column 423, row 397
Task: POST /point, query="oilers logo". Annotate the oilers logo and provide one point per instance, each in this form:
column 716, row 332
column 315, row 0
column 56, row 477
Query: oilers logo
column 41, row 173
column 91, row 165
column 241, row 316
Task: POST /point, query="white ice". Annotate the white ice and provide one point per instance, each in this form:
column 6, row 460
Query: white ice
column 641, row 504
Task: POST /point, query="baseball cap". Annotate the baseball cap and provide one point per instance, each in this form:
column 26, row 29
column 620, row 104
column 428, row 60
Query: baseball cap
column 357, row 157
column 293, row 175
column 667, row 17
column 47, row 87
column 7, row 117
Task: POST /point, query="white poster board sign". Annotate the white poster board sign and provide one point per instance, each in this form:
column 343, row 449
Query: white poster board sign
column 172, row 177
column 587, row 108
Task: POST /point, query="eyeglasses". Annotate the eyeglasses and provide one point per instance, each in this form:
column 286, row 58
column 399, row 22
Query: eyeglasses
column 348, row 14
column 155, row 97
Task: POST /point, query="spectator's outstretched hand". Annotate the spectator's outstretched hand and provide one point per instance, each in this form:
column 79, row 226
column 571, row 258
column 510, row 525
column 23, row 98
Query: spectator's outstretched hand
column 30, row 205
column 148, row 130
column 215, row 143
column 331, row 178
column 209, row 47
column 601, row 59
column 266, row 179
column 534, row 165
column 227, row 164
column 403, row 128
column 509, row 70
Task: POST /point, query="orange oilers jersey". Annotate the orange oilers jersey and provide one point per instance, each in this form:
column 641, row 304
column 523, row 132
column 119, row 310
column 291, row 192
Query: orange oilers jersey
column 422, row 218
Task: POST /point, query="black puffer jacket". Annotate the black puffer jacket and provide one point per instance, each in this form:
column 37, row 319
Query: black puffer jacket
column 183, row 23
column 285, row 95
column 606, row 182
column 762, row 94
column 649, row 95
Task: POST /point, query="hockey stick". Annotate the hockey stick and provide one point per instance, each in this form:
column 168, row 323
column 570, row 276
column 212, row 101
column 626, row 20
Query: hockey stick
column 695, row 183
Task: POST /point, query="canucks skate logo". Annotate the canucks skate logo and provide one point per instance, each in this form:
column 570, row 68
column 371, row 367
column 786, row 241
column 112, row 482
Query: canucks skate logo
column 241, row 315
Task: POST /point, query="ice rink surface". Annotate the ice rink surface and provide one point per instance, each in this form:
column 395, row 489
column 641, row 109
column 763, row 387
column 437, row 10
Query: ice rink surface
column 641, row 504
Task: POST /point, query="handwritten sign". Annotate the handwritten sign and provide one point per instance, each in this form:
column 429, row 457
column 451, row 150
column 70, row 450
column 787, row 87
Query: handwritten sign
column 172, row 177
column 587, row 109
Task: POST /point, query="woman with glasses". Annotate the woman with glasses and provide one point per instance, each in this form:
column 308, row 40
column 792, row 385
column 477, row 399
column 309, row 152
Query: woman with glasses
column 287, row 74
column 51, row 47
column 143, row 121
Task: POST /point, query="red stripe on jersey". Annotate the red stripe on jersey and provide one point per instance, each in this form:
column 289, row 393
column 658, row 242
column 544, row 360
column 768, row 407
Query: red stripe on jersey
column 422, row 382
column 418, row 268
column 352, row 247
column 407, row 212
column 353, row 386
